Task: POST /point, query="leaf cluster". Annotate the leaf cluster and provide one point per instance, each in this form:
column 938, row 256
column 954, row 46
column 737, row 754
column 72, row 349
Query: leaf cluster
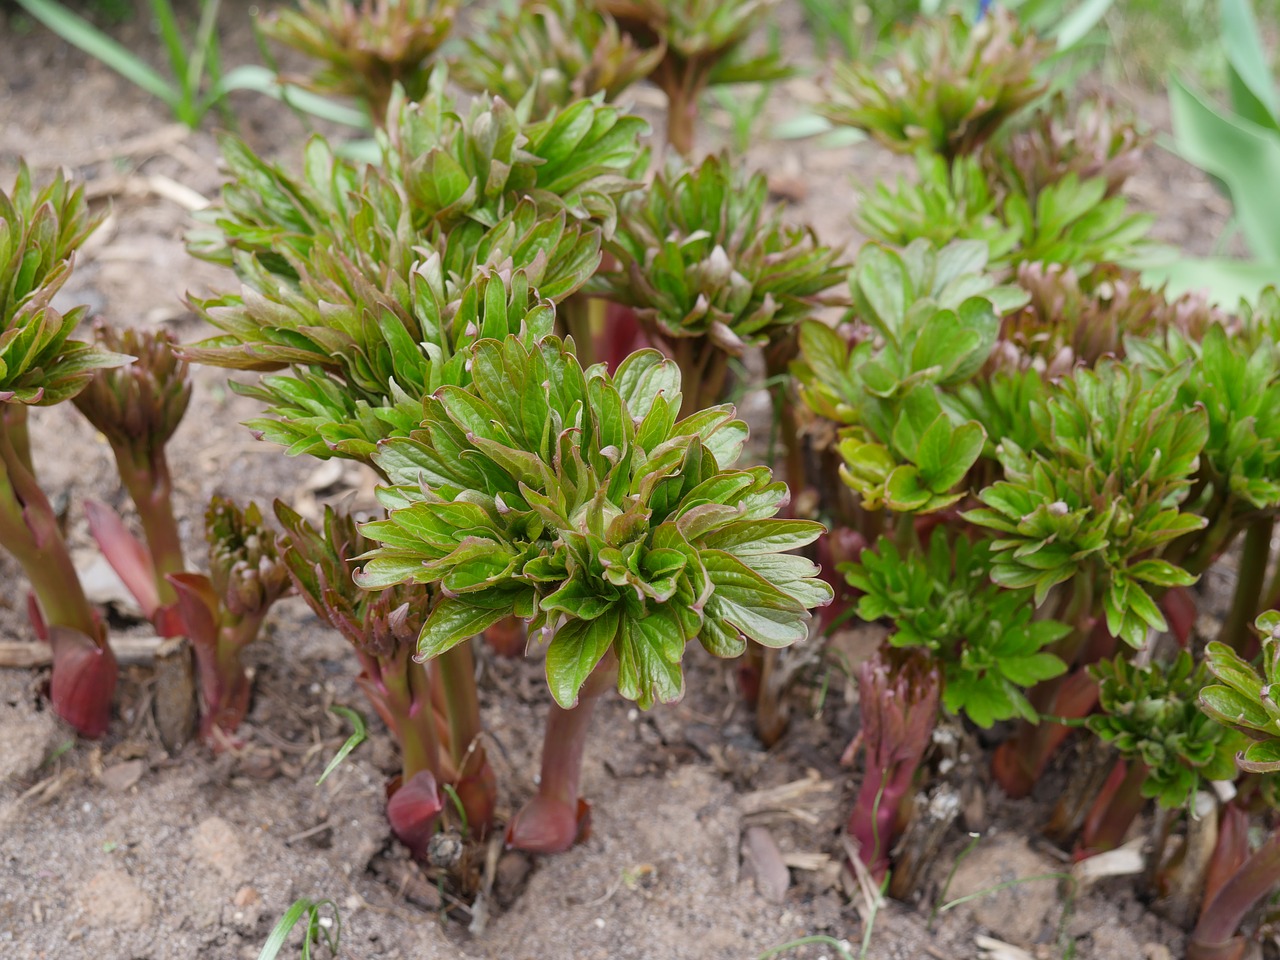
column 1242, row 698
column 1087, row 140
column 370, row 284
column 983, row 636
column 705, row 40
column 138, row 407
column 1234, row 376
column 576, row 501
column 1151, row 714
column 555, row 51
column 928, row 321
column 1073, row 319
column 1069, row 221
column 1102, row 488
column 245, row 569
column 701, row 253
column 365, row 47
column 321, row 564
column 40, row 230
column 949, row 86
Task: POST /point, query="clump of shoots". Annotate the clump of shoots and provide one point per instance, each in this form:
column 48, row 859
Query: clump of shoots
column 1089, row 141
column 42, row 365
column 950, row 86
column 365, row 47
column 223, row 612
column 711, row 270
column 1079, row 513
column 431, row 709
column 981, row 635
column 705, row 44
column 138, row 408
column 580, row 503
column 555, row 51
column 1151, row 716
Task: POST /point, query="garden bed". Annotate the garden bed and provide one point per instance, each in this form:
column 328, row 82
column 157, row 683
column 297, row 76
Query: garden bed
column 119, row 849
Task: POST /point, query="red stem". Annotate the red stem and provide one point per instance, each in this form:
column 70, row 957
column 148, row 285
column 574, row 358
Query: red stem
column 556, row 817
column 1215, row 936
column 476, row 784
column 1118, row 805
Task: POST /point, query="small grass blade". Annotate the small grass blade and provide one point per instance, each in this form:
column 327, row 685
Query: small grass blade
column 839, row 946
column 314, row 931
column 357, row 737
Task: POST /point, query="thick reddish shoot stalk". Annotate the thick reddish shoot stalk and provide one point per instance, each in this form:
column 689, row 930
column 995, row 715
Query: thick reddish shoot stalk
column 476, row 784
column 1118, row 805
column 85, row 670
column 557, row 817
column 1216, row 935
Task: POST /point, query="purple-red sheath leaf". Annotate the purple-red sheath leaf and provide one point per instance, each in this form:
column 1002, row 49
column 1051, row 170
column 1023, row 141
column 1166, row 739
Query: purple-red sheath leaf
column 414, row 810
column 84, row 680
column 127, row 555
column 197, row 607
column 547, row 824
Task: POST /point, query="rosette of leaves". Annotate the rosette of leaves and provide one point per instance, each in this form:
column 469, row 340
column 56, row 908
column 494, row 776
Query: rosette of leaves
column 138, row 408
column 436, row 724
column 711, row 269
column 1234, row 375
column 1073, row 319
column 1088, row 141
column 580, row 503
column 556, row 51
column 359, row 361
column 1098, row 495
column 1070, row 221
column 223, row 612
column 931, row 323
column 365, row 47
column 706, row 44
column 945, row 203
column 581, row 159
column 41, row 364
column 446, row 181
column 556, row 494
column 1151, row 715
column 950, row 85
column 983, row 636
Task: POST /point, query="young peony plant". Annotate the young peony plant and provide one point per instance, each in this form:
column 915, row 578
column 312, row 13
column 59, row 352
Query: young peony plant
column 710, row 269
column 41, row 364
column 705, row 44
column 223, row 611
column 579, row 502
column 950, row 86
column 366, row 47
column 138, row 408
column 555, row 51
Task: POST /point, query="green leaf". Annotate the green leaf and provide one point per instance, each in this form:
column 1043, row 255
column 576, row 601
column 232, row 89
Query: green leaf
column 452, row 622
column 1261, row 757
column 750, row 603
column 576, row 649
